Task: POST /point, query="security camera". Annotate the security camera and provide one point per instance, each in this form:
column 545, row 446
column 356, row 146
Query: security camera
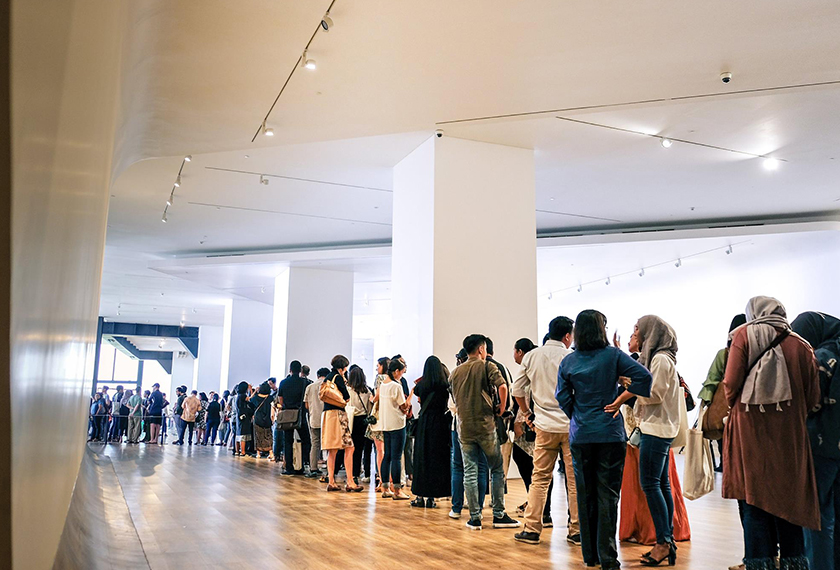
column 726, row 77
column 439, row 133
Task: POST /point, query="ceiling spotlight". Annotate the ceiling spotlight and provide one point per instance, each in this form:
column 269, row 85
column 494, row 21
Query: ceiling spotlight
column 550, row 296
column 580, row 288
column 326, row 22
column 163, row 219
column 183, row 322
column 195, row 310
column 177, row 181
column 306, row 62
column 169, row 201
column 666, row 143
column 729, row 250
column 262, row 289
column 608, row 281
column 678, row 263
column 188, row 158
column 642, row 272
column 263, row 180
column 267, row 131
column 771, row 164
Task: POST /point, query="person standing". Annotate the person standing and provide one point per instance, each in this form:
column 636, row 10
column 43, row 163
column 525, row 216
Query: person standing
column 432, row 477
column 114, row 427
column 392, row 408
column 376, row 429
column 290, row 394
column 244, row 410
column 360, row 399
column 177, row 410
column 661, row 419
column 473, row 385
column 262, row 420
column 224, row 427
column 155, row 412
column 189, row 414
column 539, row 375
column 771, row 383
column 214, row 419
column 315, row 408
column 823, row 334
column 135, row 417
column 523, row 436
column 590, row 392
column 201, row 418
column 506, row 445
column 335, row 428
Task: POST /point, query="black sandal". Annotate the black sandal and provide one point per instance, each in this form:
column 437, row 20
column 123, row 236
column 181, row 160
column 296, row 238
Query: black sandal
column 671, row 557
column 418, row 502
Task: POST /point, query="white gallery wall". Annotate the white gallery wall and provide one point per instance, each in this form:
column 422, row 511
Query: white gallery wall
column 209, row 358
column 250, row 342
column 700, row 297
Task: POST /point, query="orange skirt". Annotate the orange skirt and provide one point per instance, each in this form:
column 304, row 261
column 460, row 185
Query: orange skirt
column 636, row 524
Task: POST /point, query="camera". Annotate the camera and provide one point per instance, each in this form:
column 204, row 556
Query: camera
column 726, row 77
column 439, row 133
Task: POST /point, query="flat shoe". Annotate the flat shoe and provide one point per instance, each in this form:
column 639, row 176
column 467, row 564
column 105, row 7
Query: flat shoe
column 331, row 488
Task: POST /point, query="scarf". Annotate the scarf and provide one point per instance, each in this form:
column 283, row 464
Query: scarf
column 817, row 328
column 768, row 382
column 656, row 336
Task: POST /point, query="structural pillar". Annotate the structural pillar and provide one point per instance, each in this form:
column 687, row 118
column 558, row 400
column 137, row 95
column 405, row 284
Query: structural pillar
column 313, row 318
column 464, row 249
column 246, row 343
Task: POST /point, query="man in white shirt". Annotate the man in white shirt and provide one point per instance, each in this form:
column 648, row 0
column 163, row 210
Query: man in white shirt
column 539, row 372
column 315, row 407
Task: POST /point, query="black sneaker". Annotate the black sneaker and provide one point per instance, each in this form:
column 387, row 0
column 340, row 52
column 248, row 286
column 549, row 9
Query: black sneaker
column 547, row 522
column 505, row 521
column 574, row 539
column 527, row 537
column 430, row 503
column 474, row 524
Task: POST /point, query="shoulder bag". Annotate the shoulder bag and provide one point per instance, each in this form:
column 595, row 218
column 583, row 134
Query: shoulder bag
column 329, row 393
column 501, row 424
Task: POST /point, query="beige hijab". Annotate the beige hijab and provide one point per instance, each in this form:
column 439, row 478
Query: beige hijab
column 768, row 382
column 656, row 336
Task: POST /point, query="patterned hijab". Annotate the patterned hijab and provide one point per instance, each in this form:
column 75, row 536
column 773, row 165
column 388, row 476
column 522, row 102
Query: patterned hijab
column 656, row 336
column 768, row 382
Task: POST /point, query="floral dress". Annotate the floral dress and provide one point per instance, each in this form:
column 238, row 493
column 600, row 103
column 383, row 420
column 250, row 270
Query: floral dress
column 201, row 417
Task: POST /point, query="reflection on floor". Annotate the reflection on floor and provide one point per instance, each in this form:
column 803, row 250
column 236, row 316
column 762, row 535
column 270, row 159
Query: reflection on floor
column 198, row 507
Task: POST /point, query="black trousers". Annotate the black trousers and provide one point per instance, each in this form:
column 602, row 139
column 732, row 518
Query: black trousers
column 598, row 471
column 289, row 446
column 361, row 447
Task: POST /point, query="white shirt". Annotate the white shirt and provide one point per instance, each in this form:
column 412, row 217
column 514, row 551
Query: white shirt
column 314, row 403
column 391, row 397
column 539, row 372
column 661, row 414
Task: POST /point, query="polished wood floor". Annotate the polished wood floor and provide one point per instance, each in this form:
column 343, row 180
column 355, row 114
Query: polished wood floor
column 198, row 507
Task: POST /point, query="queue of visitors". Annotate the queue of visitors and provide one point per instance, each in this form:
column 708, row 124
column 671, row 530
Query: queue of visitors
column 607, row 420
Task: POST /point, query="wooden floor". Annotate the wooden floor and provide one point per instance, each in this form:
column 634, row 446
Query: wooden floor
column 198, row 507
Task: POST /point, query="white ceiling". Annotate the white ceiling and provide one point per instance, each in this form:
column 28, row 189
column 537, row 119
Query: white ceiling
column 199, row 82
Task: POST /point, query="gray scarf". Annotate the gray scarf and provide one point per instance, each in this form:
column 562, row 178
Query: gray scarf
column 768, row 382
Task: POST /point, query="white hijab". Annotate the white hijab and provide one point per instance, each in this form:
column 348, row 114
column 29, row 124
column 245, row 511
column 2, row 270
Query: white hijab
column 768, row 382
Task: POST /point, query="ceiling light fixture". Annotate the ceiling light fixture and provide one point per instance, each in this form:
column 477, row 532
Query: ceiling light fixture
column 642, row 272
column 263, row 180
column 188, row 158
column 580, row 288
column 729, row 250
column 195, row 310
column 163, row 218
column 262, row 289
column 770, row 163
column 678, row 263
column 267, row 131
column 608, row 281
column 666, row 143
column 178, row 181
column 326, row 22
column 550, row 296
column 306, row 62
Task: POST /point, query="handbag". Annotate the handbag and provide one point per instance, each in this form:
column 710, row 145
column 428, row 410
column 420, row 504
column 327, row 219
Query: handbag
column 329, row 393
column 699, row 470
column 288, row 420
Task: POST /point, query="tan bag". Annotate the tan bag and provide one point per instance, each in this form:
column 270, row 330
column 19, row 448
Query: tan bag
column 330, row 394
column 713, row 419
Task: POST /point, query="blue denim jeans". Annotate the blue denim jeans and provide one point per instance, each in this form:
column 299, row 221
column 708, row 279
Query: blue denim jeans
column 392, row 458
column 654, row 460
column 822, row 548
column 766, row 537
column 211, row 431
column 278, row 443
column 472, row 451
column 457, row 464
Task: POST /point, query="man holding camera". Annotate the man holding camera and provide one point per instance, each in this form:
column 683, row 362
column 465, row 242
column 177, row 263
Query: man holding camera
column 474, row 385
column 539, row 372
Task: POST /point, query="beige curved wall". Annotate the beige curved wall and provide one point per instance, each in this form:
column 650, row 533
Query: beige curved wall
column 65, row 58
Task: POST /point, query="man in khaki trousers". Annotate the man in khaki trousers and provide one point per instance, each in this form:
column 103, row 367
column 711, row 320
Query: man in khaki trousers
column 539, row 374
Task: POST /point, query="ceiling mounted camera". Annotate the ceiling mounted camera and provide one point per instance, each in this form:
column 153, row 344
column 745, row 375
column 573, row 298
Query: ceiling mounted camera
column 726, row 77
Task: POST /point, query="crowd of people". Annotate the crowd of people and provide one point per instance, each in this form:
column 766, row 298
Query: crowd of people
column 606, row 419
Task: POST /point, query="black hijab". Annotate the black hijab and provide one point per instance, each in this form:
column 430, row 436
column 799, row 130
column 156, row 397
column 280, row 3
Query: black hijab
column 817, row 328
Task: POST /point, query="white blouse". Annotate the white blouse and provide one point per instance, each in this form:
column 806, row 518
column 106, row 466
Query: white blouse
column 661, row 415
column 391, row 397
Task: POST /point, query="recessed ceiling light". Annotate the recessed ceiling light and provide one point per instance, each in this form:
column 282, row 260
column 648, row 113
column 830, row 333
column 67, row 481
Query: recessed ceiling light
column 247, row 156
column 771, row 164
column 666, row 143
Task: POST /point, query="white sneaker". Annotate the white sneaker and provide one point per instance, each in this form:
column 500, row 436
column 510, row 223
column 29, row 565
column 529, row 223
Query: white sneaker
column 365, row 479
column 454, row 515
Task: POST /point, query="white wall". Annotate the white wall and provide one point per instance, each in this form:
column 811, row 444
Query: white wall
column 183, row 371
column 250, row 342
column 700, row 298
column 209, row 358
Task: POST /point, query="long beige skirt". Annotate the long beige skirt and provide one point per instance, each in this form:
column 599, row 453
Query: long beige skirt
column 335, row 430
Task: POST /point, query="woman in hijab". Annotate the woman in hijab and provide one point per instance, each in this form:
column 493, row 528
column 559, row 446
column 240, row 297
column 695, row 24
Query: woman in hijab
column 823, row 333
column 262, row 420
column 431, row 445
column 771, row 384
column 661, row 419
column 244, row 412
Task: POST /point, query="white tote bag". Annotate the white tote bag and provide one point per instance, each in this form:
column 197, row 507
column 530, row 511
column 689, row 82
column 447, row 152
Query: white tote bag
column 350, row 410
column 699, row 473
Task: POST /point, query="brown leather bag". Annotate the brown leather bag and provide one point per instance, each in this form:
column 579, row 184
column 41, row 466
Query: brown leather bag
column 718, row 411
column 330, row 394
